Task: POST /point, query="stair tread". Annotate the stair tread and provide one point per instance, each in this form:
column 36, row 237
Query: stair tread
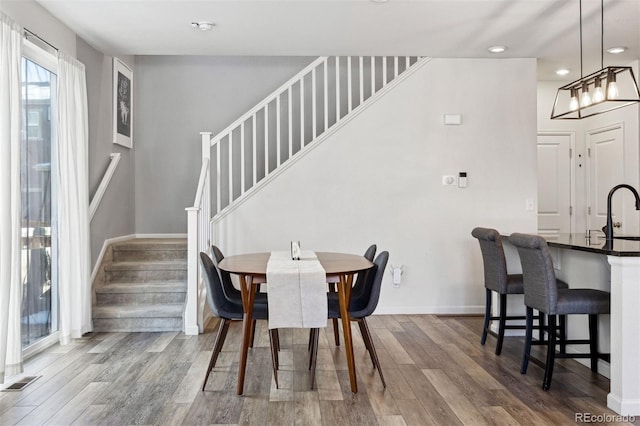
column 151, row 244
column 139, row 310
column 143, row 287
column 147, row 264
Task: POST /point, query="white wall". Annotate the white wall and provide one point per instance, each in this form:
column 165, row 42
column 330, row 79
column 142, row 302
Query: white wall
column 378, row 180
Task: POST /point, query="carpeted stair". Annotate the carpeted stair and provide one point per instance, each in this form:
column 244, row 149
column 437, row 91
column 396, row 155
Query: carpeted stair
column 142, row 286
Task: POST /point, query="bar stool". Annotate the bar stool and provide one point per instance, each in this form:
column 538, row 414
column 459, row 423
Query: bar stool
column 497, row 279
column 541, row 293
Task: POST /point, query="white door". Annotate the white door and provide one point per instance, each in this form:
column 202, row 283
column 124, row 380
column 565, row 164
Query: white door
column 605, row 151
column 555, row 182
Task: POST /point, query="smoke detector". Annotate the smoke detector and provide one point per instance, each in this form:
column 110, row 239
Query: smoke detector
column 203, row 26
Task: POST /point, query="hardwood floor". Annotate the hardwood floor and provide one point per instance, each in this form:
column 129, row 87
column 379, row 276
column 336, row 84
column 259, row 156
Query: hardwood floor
column 436, row 371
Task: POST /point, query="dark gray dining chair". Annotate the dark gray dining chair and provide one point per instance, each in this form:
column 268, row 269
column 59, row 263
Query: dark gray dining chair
column 359, row 309
column 234, row 294
column 356, row 291
column 230, row 310
column 542, row 293
column 496, row 279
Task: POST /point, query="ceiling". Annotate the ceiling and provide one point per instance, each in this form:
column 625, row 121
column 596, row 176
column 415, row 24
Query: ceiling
column 543, row 29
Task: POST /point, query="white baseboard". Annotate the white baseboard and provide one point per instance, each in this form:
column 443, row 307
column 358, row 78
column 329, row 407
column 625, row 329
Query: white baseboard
column 429, row 310
column 160, row 235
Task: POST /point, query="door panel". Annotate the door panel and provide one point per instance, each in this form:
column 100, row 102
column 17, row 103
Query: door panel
column 605, row 171
column 554, row 183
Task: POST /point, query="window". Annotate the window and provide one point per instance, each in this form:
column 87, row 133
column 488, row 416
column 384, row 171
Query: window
column 39, row 284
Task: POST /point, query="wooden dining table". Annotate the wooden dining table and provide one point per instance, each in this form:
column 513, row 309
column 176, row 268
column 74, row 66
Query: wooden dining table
column 252, row 271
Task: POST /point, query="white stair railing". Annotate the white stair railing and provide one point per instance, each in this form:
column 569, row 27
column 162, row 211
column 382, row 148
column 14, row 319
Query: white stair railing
column 104, row 183
column 260, row 144
column 304, row 108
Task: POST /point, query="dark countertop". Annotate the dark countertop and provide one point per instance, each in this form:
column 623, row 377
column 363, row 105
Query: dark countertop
column 596, row 244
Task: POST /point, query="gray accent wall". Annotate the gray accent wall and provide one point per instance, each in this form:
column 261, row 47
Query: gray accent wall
column 115, row 216
column 176, row 98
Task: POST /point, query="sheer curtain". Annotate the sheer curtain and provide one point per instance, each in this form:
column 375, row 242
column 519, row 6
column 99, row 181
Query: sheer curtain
column 73, row 200
column 10, row 229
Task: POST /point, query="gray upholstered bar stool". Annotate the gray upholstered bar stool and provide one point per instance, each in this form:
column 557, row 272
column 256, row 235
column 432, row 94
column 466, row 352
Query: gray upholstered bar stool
column 497, row 279
column 541, row 293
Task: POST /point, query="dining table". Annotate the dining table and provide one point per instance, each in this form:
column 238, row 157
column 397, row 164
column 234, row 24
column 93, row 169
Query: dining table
column 252, row 272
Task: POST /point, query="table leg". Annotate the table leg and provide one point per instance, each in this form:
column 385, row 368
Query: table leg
column 248, row 298
column 344, row 297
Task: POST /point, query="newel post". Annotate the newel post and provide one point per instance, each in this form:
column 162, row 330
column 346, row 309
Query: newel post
column 191, row 305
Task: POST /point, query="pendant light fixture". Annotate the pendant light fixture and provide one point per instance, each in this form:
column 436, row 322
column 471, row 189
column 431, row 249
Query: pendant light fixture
column 604, row 90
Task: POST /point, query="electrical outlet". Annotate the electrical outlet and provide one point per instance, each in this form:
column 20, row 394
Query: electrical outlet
column 530, row 204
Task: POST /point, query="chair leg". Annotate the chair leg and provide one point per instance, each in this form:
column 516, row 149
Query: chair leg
column 253, row 333
column 276, row 335
column 551, row 353
column 593, row 342
column 367, row 342
column 372, row 350
column 563, row 333
column 487, row 317
column 312, row 342
column 217, row 347
column 541, row 322
column 527, row 340
column 503, row 323
column 314, row 356
column 336, row 332
column 274, row 354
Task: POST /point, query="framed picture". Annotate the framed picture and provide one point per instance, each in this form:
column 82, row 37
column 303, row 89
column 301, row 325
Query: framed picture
column 122, row 104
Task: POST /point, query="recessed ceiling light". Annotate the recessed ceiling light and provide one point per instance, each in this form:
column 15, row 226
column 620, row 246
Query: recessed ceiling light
column 497, row 49
column 563, row 71
column 203, row 26
column 379, row 1
column 616, row 49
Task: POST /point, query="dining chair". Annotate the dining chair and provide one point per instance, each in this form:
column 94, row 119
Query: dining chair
column 234, row 294
column 496, row 279
column 356, row 291
column 230, row 310
column 542, row 293
column 359, row 309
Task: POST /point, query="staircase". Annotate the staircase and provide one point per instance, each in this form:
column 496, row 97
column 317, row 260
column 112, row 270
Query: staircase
column 271, row 136
column 142, row 286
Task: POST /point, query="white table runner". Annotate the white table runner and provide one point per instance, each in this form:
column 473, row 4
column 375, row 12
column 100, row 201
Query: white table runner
column 297, row 291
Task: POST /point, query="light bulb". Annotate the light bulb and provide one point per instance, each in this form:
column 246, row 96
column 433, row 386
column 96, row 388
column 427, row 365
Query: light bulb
column 612, row 87
column 573, row 103
column 598, row 93
column 585, row 99
column 612, row 90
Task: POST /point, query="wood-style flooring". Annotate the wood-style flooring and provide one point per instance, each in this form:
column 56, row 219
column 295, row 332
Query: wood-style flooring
column 436, row 371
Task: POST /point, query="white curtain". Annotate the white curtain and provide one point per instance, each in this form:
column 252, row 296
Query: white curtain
column 10, row 229
column 74, row 286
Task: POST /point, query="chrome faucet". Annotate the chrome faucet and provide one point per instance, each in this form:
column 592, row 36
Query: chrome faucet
column 608, row 229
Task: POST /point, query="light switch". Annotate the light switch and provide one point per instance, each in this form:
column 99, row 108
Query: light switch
column 452, row 119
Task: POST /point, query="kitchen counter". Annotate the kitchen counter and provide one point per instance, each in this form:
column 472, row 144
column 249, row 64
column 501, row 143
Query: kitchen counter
column 614, row 267
column 596, row 244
